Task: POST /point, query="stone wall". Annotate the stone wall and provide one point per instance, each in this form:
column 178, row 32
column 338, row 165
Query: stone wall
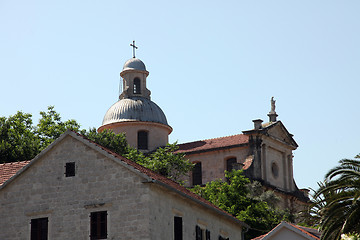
column 166, row 205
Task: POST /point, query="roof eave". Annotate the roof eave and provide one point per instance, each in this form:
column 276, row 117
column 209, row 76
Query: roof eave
column 213, row 149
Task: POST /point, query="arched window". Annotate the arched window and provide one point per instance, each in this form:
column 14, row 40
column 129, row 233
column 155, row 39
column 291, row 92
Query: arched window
column 230, row 164
column 142, row 140
column 196, row 174
column 137, row 87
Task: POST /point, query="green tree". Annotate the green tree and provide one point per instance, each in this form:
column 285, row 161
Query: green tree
column 114, row 142
column 245, row 201
column 164, row 161
column 50, row 127
column 337, row 201
column 18, row 141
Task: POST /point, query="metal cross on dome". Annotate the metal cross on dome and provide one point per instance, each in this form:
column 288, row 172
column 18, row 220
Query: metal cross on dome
column 134, row 47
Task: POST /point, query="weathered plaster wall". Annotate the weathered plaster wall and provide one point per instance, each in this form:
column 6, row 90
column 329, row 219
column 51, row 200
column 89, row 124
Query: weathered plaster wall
column 214, row 163
column 157, row 133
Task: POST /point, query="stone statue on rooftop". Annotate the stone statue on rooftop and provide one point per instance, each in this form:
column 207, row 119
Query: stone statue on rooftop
column 272, row 104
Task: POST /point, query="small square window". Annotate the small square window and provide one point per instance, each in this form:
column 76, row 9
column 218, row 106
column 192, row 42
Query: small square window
column 70, row 169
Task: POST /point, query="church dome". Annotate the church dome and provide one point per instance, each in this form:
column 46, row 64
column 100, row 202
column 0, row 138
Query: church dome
column 134, row 109
column 134, row 64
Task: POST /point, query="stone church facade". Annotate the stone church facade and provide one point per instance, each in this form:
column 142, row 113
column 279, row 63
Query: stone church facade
column 264, row 153
column 76, row 189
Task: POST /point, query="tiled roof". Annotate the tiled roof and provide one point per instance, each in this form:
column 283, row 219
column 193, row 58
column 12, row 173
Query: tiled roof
column 7, row 170
column 312, row 233
column 309, row 231
column 213, row 144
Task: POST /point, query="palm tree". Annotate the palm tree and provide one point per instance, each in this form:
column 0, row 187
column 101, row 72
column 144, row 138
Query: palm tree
column 338, row 200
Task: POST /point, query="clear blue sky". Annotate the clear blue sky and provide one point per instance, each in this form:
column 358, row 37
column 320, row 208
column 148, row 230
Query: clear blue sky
column 214, row 65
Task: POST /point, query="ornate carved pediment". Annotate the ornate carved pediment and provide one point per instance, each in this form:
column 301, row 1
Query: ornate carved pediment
column 278, row 132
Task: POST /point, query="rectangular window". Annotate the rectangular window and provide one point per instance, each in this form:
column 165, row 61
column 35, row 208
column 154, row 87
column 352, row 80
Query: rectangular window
column 98, row 225
column 199, row 233
column 143, row 140
column 178, row 228
column 39, row 229
column 197, row 174
column 230, row 164
column 70, row 169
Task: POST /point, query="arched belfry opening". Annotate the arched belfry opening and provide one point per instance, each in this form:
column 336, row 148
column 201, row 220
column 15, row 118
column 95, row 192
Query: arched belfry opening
column 137, row 86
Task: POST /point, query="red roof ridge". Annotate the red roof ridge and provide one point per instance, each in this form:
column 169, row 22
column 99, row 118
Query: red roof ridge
column 304, row 231
column 8, row 170
column 213, row 143
column 13, row 163
column 216, row 138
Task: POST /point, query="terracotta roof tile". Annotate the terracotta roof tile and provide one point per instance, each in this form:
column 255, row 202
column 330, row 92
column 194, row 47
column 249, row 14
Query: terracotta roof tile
column 7, row 170
column 214, row 143
column 309, row 231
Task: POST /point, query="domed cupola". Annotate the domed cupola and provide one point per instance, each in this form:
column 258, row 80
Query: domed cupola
column 142, row 120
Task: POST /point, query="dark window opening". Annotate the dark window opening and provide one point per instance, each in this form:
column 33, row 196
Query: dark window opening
column 39, row 229
column 70, row 169
column 222, row 238
column 197, row 174
column 143, row 140
column 199, row 233
column 137, row 89
column 230, row 164
column 98, row 225
column 178, row 228
column 207, row 234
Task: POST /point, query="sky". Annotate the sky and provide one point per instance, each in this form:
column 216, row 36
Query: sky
column 214, row 66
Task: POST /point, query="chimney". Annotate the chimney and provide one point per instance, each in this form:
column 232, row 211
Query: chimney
column 257, row 124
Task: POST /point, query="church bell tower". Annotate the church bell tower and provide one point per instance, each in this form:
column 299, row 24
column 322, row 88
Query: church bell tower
column 142, row 120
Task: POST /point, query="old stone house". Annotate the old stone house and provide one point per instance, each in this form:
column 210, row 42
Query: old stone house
column 76, row 189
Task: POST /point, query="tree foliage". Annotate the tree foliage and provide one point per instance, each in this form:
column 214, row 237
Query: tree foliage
column 18, row 140
column 164, row 161
column 337, row 201
column 114, row 142
column 50, row 127
column 246, row 201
